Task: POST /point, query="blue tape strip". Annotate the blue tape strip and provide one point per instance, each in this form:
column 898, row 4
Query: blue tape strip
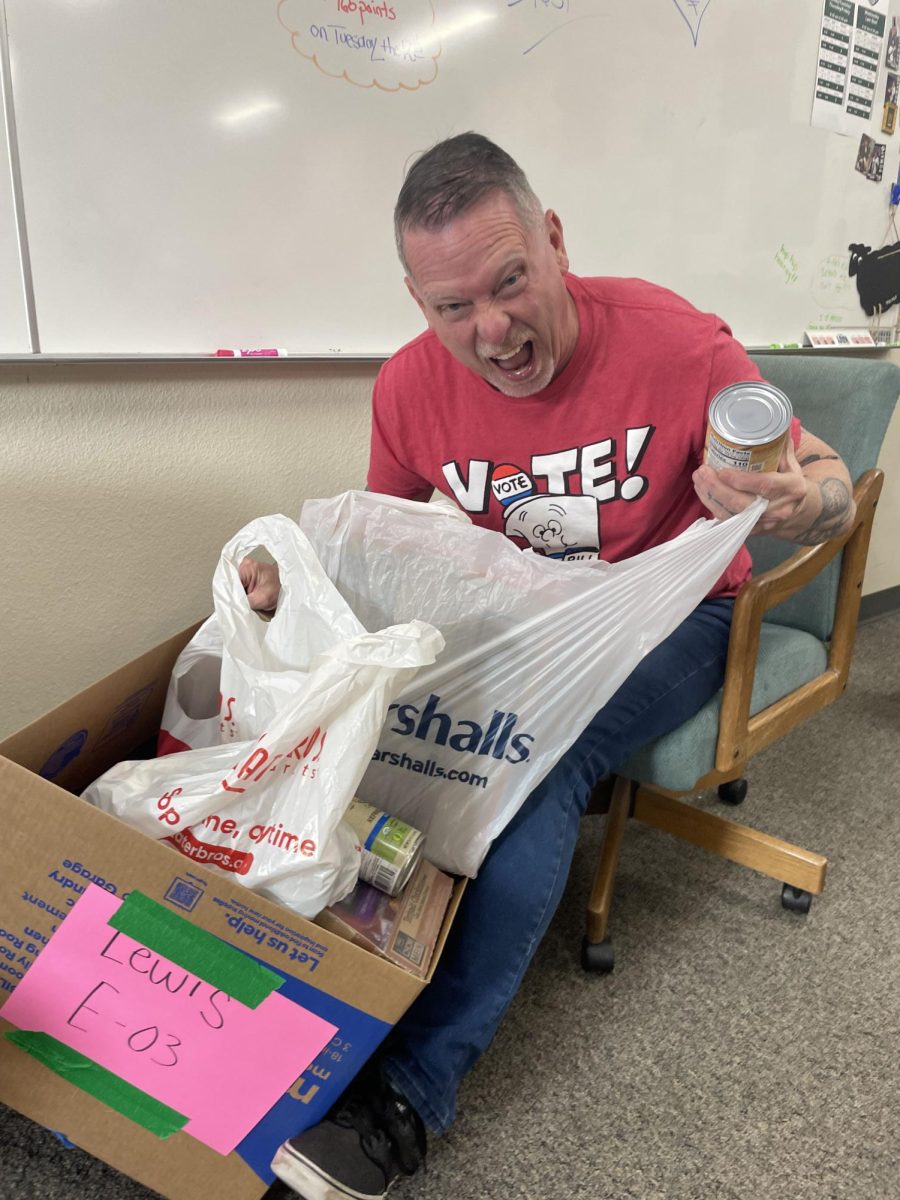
column 376, row 829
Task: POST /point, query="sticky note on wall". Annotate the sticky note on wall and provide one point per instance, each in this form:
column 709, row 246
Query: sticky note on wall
column 163, row 1029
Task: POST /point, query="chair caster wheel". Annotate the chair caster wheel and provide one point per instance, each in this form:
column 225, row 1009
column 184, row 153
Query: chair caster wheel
column 597, row 956
column 733, row 792
column 795, row 899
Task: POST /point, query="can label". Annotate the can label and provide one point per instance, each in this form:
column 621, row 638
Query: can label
column 748, row 426
column 391, row 849
column 722, row 453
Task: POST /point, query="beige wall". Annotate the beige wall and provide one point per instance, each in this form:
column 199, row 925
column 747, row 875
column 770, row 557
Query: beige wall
column 121, row 482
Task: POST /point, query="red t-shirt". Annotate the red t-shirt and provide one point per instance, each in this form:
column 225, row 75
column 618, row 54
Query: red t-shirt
column 596, row 464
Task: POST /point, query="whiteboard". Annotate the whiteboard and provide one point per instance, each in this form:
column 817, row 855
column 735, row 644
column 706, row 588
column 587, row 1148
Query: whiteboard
column 222, row 173
column 14, row 338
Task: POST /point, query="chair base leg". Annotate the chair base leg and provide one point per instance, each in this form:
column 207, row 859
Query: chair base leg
column 600, row 900
column 770, row 856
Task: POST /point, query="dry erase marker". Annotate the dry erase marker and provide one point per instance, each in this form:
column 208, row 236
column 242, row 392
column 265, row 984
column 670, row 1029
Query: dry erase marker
column 266, row 353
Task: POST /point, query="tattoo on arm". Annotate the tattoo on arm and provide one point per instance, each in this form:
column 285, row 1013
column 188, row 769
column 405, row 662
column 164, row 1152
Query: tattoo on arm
column 836, row 501
column 711, row 498
column 811, row 458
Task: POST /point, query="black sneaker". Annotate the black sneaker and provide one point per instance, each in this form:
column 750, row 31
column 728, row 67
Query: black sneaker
column 371, row 1137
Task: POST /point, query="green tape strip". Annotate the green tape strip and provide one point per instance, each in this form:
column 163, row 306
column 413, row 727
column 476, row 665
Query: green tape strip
column 90, row 1077
column 201, row 953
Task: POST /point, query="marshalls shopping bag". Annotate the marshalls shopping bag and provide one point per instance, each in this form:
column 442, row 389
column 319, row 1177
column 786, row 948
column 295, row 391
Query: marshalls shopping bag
column 534, row 648
column 306, row 696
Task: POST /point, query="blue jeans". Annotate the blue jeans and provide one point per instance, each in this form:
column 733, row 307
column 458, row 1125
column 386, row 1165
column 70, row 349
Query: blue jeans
column 507, row 908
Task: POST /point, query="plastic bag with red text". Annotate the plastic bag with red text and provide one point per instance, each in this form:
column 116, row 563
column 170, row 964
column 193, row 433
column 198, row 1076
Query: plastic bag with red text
column 308, row 693
column 191, row 718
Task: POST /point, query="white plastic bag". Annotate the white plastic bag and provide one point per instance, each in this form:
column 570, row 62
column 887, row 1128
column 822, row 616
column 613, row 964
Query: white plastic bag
column 308, row 693
column 265, row 663
column 191, row 718
column 534, row 648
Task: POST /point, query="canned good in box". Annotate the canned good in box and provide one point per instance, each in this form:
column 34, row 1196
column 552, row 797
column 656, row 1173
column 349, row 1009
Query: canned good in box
column 391, row 849
column 748, row 425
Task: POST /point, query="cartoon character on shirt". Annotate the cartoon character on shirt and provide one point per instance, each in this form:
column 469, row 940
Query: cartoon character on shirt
column 557, row 526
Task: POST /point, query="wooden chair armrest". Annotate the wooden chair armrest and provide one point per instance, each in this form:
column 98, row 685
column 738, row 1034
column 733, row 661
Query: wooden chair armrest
column 765, row 591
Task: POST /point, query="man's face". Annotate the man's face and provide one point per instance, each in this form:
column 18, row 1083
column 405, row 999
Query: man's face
column 492, row 287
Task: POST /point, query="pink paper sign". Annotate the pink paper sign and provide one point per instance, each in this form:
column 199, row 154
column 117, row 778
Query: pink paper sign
column 210, row 1057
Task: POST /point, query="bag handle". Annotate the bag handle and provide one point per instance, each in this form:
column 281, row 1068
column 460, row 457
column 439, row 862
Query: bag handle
column 311, row 614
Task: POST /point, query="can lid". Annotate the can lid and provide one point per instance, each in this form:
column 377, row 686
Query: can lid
column 750, row 413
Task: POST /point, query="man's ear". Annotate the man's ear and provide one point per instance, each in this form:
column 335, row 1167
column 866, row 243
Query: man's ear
column 411, row 288
column 554, row 230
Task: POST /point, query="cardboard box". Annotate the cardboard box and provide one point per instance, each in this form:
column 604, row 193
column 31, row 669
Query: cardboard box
column 54, row 843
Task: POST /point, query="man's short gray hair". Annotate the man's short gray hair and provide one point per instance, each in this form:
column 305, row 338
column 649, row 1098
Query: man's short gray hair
column 453, row 177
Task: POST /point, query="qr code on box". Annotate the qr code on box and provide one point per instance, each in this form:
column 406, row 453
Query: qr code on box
column 183, row 893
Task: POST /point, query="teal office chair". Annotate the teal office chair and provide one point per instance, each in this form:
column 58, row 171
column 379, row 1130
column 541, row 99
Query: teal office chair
column 789, row 656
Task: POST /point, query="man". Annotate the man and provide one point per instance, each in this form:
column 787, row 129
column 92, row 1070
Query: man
column 594, row 391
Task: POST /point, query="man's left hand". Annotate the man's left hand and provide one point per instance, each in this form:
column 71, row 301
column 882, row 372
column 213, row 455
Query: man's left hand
column 810, row 496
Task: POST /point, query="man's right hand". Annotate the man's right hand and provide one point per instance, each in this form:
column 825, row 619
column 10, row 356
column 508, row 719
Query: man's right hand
column 261, row 583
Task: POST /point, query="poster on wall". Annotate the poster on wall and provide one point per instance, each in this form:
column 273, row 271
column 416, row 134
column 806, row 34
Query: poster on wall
column 891, row 101
column 850, row 52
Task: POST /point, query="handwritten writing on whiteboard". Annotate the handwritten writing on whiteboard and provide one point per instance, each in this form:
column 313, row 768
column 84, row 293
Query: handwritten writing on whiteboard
column 832, row 287
column 692, row 11
column 540, row 19
column 393, row 45
column 168, row 1032
column 788, row 263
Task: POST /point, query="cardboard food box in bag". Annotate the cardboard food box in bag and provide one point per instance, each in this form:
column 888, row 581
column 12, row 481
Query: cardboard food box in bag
column 57, row 848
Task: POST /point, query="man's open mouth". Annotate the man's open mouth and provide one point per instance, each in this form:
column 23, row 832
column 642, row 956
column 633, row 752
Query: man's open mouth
column 516, row 360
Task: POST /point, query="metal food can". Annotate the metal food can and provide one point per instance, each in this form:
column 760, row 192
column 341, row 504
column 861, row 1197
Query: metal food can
column 748, row 425
column 391, row 849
